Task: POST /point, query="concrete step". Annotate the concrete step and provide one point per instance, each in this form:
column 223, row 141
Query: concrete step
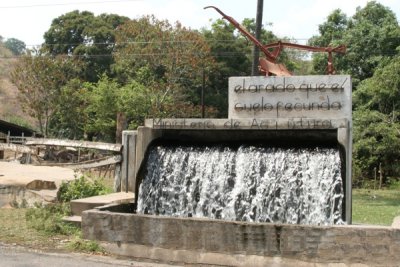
column 77, row 220
column 80, row 205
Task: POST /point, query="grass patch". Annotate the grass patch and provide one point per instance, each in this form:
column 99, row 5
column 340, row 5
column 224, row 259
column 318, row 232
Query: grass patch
column 82, row 245
column 48, row 219
column 42, row 227
column 375, row 206
column 14, row 229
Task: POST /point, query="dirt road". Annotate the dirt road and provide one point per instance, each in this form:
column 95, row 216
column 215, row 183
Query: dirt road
column 19, row 182
column 12, row 173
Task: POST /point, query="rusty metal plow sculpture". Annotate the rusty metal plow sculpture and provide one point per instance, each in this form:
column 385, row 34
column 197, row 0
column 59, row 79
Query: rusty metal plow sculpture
column 269, row 65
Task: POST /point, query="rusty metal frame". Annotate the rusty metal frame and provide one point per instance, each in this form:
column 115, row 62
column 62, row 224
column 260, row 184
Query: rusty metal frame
column 269, row 65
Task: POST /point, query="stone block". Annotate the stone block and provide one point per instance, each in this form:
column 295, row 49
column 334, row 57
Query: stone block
column 285, row 97
column 330, row 255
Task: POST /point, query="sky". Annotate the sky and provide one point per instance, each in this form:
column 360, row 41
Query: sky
column 28, row 20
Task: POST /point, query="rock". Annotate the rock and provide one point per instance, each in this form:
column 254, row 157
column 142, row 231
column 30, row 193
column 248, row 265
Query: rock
column 40, row 185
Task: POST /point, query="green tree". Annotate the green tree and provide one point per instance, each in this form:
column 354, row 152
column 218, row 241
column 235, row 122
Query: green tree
column 174, row 55
column 332, row 30
column 101, row 110
column 17, row 47
column 84, row 35
column 371, row 36
column 331, row 33
column 39, row 80
column 376, row 121
column 69, row 118
column 232, row 54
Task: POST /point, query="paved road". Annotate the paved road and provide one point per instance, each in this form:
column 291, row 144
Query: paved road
column 11, row 256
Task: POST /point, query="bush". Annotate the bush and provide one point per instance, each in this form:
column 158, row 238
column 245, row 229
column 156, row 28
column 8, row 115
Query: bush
column 393, row 184
column 48, row 219
column 80, row 188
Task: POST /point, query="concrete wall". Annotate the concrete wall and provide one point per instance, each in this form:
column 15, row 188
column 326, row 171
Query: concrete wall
column 322, row 96
column 128, row 170
column 276, row 131
column 195, row 241
column 21, row 196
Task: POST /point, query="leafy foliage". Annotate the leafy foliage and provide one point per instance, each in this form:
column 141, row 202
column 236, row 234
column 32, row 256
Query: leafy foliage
column 17, row 47
column 80, row 188
column 232, row 53
column 69, row 119
column 101, row 109
column 148, row 68
column 331, row 34
column 39, row 80
column 48, row 219
column 371, row 36
column 86, row 36
column 232, row 56
column 171, row 56
column 376, row 123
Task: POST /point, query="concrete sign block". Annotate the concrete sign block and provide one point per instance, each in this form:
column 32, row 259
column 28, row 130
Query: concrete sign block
column 320, row 97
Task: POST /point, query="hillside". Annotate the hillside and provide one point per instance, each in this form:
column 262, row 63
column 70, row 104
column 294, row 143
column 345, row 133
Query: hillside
column 10, row 109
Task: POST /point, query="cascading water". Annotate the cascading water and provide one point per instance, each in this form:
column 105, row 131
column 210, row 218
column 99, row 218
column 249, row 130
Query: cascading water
column 245, row 183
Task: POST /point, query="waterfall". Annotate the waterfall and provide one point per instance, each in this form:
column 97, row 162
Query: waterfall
column 244, row 183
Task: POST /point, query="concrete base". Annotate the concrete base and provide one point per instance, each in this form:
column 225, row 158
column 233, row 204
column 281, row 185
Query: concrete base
column 205, row 241
column 20, row 196
column 80, row 205
column 76, row 220
column 198, row 258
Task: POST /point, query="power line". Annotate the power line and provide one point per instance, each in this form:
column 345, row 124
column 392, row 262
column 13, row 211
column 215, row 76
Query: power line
column 67, row 4
column 223, row 54
column 219, row 54
column 148, row 42
column 169, row 42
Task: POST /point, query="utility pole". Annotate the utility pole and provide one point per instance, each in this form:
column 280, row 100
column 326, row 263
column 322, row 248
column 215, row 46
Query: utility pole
column 202, row 94
column 256, row 50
